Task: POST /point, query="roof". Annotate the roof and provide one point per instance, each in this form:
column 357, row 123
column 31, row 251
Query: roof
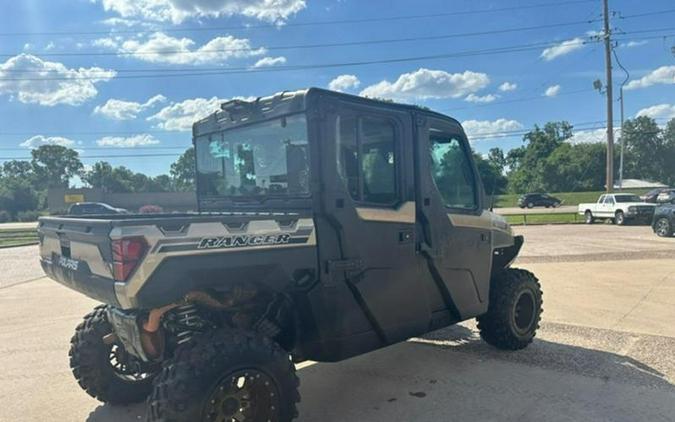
column 236, row 112
column 638, row 184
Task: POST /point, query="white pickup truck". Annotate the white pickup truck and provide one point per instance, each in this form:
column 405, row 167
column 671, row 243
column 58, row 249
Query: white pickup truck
column 618, row 207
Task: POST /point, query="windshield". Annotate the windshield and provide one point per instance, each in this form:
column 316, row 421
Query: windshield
column 269, row 158
column 628, row 198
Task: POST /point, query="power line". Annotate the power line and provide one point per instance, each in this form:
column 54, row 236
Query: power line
column 303, row 24
column 240, row 70
column 518, row 100
column 308, row 46
column 170, row 73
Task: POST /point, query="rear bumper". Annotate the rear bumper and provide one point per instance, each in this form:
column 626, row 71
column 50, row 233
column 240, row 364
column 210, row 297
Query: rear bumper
column 77, row 276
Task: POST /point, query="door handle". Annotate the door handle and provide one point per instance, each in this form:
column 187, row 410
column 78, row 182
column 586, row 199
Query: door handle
column 405, row 236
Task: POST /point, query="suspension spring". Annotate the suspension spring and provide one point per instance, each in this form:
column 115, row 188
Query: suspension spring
column 189, row 321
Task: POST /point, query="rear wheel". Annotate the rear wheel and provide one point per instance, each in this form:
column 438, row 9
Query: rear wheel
column 513, row 315
column 588, row 217
column 226, row 375
column 530, row 205
column 106, row 371
column 663, row 228
column 619, row 218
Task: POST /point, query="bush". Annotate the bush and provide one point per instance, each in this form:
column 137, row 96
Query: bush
column 150, row 209
column 5, row 216
column 27, row 216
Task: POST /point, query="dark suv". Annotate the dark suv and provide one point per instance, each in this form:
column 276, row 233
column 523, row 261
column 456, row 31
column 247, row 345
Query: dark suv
column 94, row 208
column 664, row 219
column 531, row 200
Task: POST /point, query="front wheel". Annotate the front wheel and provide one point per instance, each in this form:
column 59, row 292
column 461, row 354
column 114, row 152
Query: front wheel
column 663, row 228
column 530, row 205
column 106, row 371
column 226, row 375
column 619, row 218
column 514, row 312
column 588, row 217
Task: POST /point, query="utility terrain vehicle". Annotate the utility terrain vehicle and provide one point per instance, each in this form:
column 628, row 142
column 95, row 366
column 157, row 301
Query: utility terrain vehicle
column 329, row 225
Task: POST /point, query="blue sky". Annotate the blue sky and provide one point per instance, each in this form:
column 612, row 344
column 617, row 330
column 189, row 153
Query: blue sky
column 68, row 70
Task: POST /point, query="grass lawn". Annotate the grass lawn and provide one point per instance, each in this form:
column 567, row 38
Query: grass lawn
column 18, row 237
column 568, row 198
column 566, row 218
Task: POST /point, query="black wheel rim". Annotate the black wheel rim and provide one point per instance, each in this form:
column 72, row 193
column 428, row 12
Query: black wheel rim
column 126, row 366
column 247, row 395
column 663, row 227
column 524, row 312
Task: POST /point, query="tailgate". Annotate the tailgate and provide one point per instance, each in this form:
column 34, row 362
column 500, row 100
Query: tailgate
column 77, row 252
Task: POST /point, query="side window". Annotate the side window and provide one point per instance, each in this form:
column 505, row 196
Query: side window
column 367, row 158
column 609, row 200
column 452, row 172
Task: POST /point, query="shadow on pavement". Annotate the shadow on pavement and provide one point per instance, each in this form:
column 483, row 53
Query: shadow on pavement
column 453, row 367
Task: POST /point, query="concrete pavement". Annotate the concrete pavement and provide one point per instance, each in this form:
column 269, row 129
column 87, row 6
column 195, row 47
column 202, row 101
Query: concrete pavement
column 605, row 351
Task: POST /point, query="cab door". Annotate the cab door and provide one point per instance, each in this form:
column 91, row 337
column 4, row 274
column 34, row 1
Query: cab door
column 455, row 228
column 369, row 199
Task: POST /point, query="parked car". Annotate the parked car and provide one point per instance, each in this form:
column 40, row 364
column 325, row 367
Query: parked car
column 531, row 200
column 94, row 208
column 653, row 195
column 618, row 207
column 664, row 220
column 666, row 196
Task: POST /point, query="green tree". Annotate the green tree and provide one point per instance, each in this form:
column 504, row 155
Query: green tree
column 491, row 174
column 183, row 171
column 497, row 157
column 55, row 165
column 669, row 153
column 571, row 167
column 527, row 164
column 17, row 195
column 18, row 169
column 646, row 150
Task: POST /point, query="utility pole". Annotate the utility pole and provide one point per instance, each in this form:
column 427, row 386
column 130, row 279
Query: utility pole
column 610, row 101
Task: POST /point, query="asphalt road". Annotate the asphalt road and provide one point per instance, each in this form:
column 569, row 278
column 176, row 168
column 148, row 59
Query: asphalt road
column 565, row 209
column 605, row 351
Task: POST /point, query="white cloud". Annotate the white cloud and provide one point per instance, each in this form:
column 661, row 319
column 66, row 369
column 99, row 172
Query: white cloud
column 180, row 116
column 126, row 110
column 344, row 83
column 479, row 129
column 39, row 140
column 33, row 80
column 592, row 136
column 664, row 75
column 660, row 111
column 129, row 141
column 270, row 61
column 473, row 98
column 562, row 49
column 508, row 86
column 177, row 11
column 161, row 48
column 633, row 44
column 552, row 91
column 425, row 83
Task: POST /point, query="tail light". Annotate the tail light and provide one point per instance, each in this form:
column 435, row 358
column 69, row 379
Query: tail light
column 127, row 254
